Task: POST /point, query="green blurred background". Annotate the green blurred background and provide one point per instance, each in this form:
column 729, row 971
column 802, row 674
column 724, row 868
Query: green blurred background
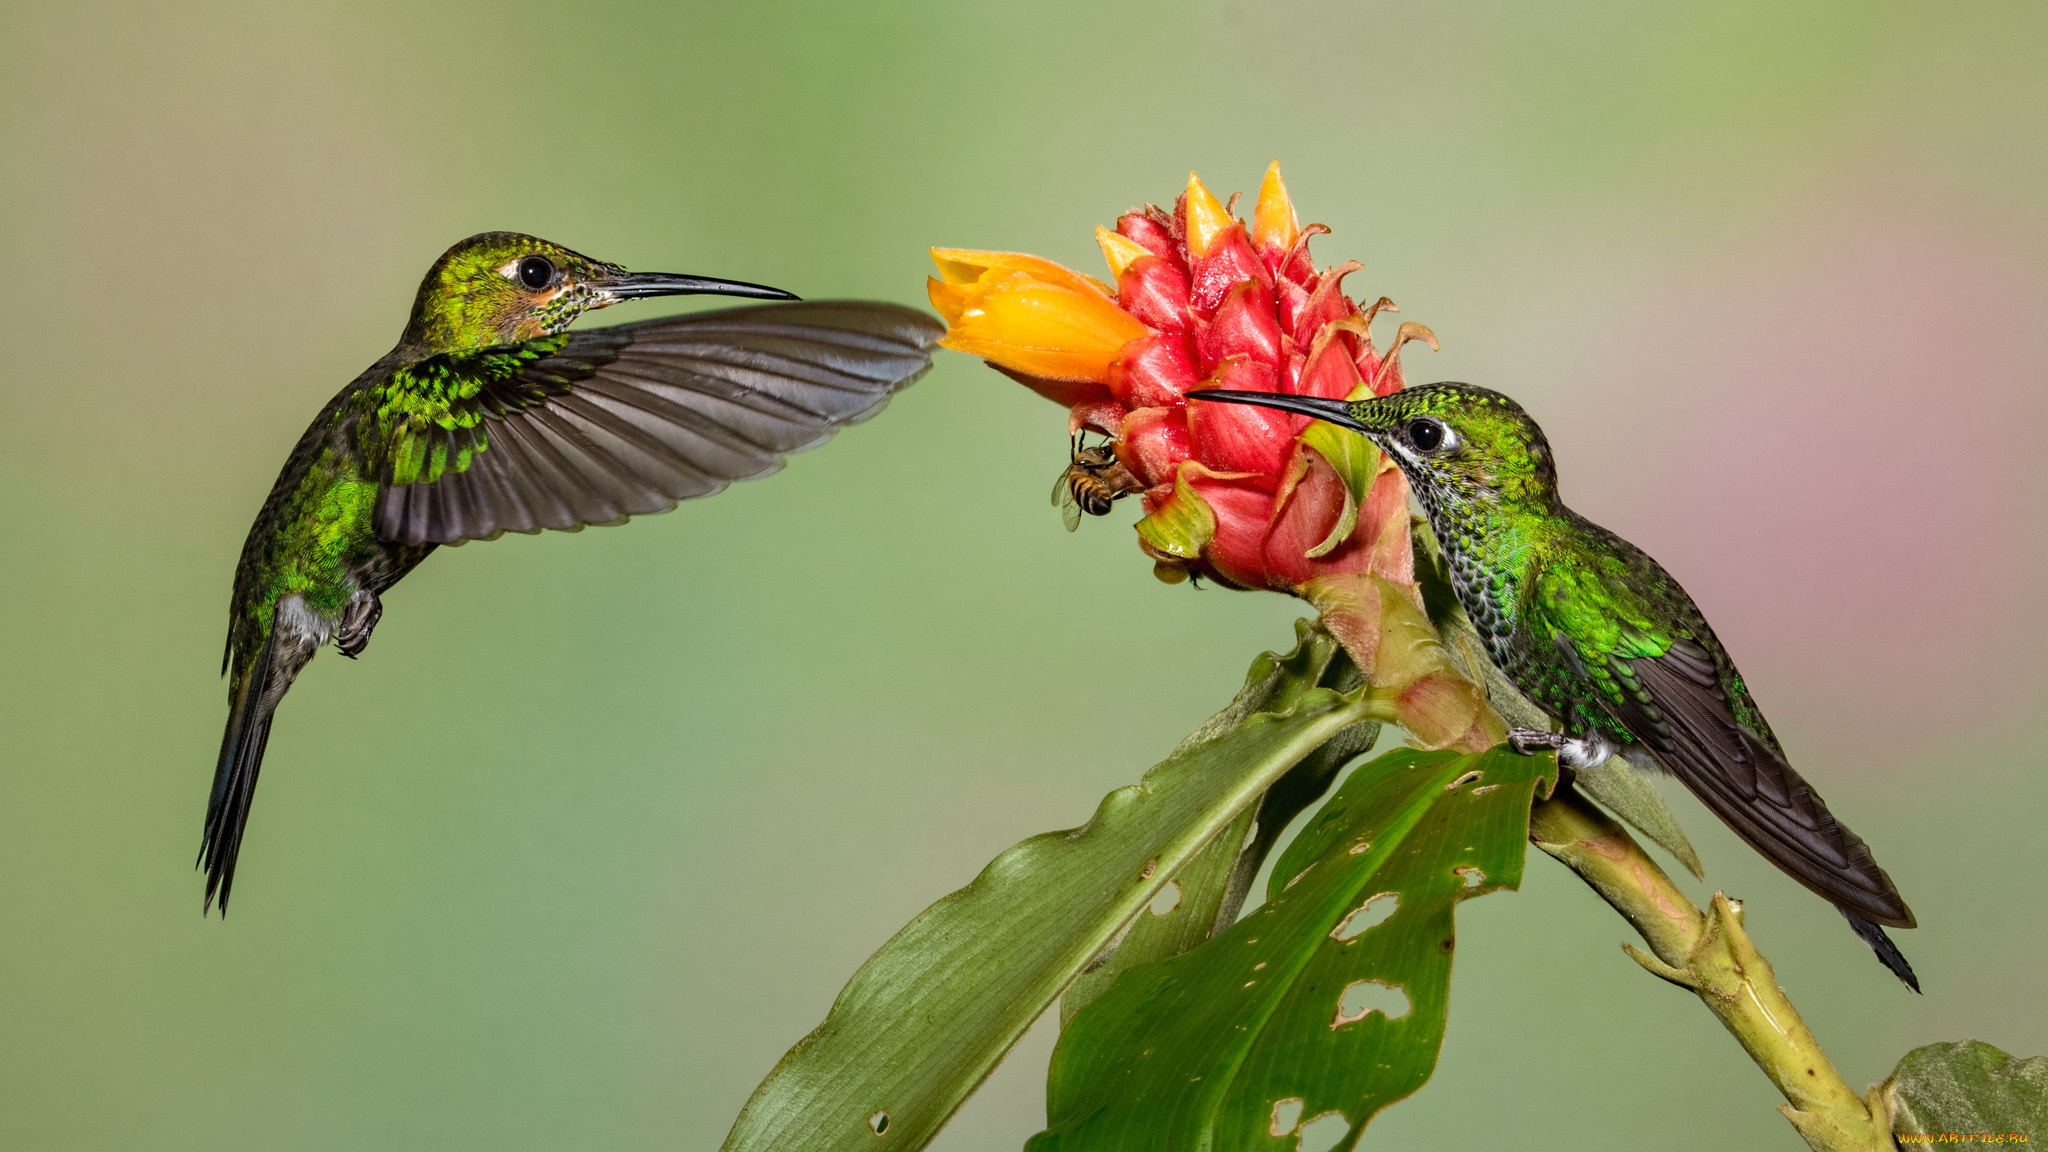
column 601, row 822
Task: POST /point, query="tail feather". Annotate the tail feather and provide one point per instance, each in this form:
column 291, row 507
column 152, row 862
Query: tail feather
column 257, row 692
column 1888, row 953
column 1687, row 720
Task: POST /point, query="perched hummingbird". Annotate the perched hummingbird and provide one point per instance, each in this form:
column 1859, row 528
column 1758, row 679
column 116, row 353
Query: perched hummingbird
column 490, row 417
column 1602, row 638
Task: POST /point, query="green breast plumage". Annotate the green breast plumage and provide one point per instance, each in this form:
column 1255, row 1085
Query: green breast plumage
column 427, row 418
column 1559, row 611
column 1485, row 556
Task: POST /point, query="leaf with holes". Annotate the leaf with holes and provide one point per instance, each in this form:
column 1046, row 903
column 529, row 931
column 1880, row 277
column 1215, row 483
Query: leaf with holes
column 930, row 1014
column 1327, row 1004
column 1204, row 897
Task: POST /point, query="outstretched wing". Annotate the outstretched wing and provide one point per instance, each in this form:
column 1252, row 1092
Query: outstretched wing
column 595, row 426
column 1676, row 704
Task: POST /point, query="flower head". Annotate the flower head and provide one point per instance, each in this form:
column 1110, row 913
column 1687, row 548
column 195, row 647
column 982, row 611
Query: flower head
column 1247, row 496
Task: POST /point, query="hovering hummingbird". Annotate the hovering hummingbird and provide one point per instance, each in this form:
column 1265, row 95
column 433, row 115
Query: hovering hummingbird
column 1602, row 638
column 489, row 417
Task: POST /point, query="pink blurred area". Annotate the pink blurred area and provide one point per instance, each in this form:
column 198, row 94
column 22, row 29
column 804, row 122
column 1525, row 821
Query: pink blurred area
column 1840, row 455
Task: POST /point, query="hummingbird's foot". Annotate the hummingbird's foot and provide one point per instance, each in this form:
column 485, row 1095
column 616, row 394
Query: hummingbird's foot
column 357, row 621
column 1530, row 741
column 1572, row 751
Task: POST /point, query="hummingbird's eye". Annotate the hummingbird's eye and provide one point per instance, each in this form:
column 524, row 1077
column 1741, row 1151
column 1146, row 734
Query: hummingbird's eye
column 536, row 272
column 1427, row 435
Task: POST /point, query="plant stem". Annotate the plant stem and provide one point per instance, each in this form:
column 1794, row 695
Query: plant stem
column 1710, row 953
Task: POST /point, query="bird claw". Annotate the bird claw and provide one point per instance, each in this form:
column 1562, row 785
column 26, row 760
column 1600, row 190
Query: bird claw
column 357, row 622
column 1590, row 751
column 1530, row 741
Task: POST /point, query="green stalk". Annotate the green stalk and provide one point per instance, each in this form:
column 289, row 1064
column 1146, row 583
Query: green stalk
column 1710, row 954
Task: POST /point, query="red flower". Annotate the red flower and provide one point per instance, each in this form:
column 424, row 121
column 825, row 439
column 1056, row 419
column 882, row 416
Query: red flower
column 1247, row 496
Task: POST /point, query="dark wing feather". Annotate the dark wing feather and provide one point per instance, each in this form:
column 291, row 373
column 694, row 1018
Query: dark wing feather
column 628, row 420
column 1676, row 705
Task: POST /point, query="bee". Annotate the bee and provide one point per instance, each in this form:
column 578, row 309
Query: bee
column 1093, row 480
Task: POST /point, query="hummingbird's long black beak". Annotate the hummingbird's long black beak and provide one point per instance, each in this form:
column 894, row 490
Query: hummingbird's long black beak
column 1335, row 411
column 638, row 285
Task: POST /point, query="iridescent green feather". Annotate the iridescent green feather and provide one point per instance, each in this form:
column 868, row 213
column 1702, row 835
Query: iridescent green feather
column 442, row 394
column 1546, row 579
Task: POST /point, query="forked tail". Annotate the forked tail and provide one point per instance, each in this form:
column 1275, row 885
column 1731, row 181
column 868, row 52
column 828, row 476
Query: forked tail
column 1888, row 953
column 1744, row 779
column 258, row 687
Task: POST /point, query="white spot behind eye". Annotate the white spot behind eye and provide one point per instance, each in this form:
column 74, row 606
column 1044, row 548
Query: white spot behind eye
column 1447, row 438
column 511, row 271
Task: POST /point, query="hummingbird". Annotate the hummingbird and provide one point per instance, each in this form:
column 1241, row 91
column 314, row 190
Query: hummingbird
column 491, row 417
column 1601, row 637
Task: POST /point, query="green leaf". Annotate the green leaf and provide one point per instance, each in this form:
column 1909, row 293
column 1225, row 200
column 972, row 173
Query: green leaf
column 1182, row 915
column 1208, row 891
column 1968, row 1087
column 931, row 1013
column 1312, row 1011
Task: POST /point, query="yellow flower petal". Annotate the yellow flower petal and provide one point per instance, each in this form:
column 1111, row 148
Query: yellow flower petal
column 1011, row 318
column 1120, row 251
column 1273, row 221
column 948, row 300
column 1206, row 218
column 966, row 265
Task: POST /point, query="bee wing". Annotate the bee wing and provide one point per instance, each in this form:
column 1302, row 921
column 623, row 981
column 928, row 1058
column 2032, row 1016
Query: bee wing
column 1063, row 495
